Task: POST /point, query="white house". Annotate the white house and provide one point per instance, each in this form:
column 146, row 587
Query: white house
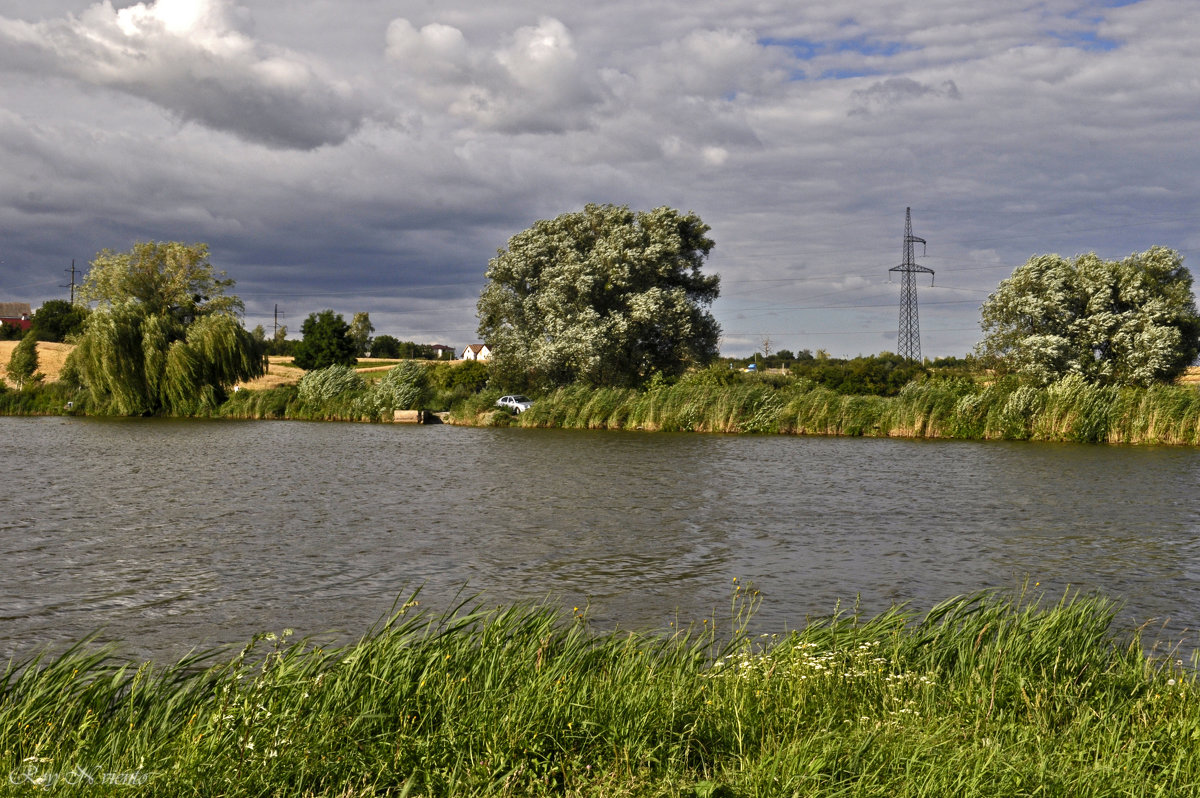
column 477, row 352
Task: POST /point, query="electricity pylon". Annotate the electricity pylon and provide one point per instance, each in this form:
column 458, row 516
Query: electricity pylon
column 908, row 343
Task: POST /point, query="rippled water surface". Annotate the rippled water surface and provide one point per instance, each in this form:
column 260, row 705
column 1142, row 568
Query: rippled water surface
column 171, row 535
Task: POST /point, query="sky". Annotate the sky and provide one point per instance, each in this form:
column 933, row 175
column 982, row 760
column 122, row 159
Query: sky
column 372, row 155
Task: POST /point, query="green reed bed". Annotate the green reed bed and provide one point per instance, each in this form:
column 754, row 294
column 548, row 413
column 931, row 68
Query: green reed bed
column 984, row 695
column 42, row 399
column 1005, row 409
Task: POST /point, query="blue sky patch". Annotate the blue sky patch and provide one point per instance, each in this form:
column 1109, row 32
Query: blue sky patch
column 806, row 50
column 1086, row 40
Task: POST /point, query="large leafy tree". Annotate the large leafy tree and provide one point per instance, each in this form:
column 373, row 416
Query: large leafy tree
column 165, row 279
column 604, row 296
column 326, row 342
column 1128, row 322
column 57, row 319
column 164, row 335
column 385, row 346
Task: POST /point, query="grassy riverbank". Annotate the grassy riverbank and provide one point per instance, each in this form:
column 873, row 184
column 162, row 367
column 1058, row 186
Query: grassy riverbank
column 982, row 696
column 716, row 400
column 1071, row 410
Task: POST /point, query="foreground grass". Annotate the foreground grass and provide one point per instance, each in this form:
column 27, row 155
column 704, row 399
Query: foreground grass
column 984, row 695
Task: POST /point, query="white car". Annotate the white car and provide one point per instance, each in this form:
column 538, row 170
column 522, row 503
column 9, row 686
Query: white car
column 515, row 402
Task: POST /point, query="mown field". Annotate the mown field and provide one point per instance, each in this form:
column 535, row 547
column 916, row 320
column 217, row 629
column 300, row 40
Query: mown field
column 52, row 357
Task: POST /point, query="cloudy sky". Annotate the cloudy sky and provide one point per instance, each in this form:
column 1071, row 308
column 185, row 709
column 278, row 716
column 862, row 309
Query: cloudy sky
column 371, row 155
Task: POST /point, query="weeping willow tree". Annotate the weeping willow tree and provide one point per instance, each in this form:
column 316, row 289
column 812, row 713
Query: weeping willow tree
column 164, row 336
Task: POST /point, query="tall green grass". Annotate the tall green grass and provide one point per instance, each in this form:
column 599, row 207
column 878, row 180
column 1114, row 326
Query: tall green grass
column 1070, row 410
column 984, row 695
column 715, row 401
column 43, row 399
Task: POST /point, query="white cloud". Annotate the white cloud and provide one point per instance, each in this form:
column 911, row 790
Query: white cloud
column 532, row 81
column 710, row 63
column 187, row 57
column 436, row 51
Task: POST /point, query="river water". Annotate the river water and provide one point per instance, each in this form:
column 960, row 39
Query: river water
column 173, row 535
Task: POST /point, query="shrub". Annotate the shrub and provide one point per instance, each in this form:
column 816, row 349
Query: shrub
column 329, row 383
column 278, row 402
column 23, row 364
column 404, row 387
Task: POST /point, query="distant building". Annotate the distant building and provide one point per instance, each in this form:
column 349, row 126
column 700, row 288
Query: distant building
column 18, row 314
column 477, row 352
column 440, row 352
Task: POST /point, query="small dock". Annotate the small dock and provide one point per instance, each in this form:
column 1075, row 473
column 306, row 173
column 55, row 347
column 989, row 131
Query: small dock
column 416, row 417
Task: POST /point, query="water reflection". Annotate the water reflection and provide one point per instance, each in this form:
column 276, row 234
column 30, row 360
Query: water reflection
column 174, row 534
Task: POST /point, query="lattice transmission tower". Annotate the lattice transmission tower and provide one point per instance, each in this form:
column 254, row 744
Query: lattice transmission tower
column 908, row 344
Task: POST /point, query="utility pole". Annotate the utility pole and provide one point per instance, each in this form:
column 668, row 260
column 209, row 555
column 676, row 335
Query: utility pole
column 908, row 342
column 72, row 285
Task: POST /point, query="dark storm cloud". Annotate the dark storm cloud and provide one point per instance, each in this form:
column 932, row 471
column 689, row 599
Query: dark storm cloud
column 373, row 155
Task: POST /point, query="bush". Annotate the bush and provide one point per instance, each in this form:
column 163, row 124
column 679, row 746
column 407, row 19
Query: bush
column 405, row 387
column 482, row 405
column 884, row 374
column 329, row 383
column 44, row 399
column 469, row 374
column 22, row 366
column 278, row 402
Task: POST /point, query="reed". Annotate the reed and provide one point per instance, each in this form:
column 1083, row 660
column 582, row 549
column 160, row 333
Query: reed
column 269, row 403
column 987, row 694
column 1003, row 409
column 714, row 400
column 43, row 399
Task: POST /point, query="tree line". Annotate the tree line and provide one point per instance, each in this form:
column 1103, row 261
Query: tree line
column 602, row 297
column 327, row 339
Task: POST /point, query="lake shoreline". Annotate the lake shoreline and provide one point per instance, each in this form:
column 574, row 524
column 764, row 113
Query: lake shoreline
column 712, row 401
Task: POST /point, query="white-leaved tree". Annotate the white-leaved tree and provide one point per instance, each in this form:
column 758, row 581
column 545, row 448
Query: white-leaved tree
column 1127, row 322
column 603, row 296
